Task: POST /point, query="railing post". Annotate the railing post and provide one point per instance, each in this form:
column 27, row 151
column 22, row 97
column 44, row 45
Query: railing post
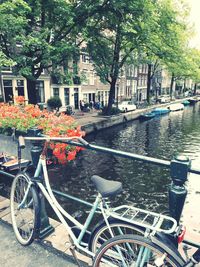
column 45, row 227
column 177, row 192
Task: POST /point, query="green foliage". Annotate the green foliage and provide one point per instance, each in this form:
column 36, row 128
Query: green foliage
column 54, row 102
column 5, row 61
column 37, row 35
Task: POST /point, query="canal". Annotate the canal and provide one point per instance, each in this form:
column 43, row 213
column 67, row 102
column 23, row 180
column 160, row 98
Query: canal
column 144, row 185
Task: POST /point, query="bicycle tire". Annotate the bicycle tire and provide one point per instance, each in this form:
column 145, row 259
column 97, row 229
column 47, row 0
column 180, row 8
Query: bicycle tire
column 25, row 220
column 132, row 250
column 101, row 233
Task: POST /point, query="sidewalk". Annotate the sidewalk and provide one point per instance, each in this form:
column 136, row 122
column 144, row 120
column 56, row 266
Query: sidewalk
column 91, row 121
column 35, row 255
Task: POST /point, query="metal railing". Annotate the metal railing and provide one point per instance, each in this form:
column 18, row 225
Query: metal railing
column 179, row 168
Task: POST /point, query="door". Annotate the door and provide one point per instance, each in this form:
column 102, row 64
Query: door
column 76, row 100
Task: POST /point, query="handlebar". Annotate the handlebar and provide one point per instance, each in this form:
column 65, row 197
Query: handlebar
column 48, row 138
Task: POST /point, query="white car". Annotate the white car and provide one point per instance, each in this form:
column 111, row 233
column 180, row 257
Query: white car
column 126, row 106
column 164, row 99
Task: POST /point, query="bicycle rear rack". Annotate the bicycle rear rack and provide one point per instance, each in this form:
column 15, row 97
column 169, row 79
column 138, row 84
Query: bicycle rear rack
column 147, row 219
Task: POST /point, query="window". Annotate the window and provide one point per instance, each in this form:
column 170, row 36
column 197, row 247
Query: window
column 7, row 83
column 91, row 77
column 8, row 90
column 85, row 98
column 40, row 91
column 66, row 96
column 20, row 87
column 85, row 58
column 6, row 69
column 85, row 77
column 56, row 92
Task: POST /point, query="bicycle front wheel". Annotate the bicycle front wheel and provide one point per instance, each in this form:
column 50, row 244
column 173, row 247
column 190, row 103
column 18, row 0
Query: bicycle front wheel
column 132, row 250
column 25, row 211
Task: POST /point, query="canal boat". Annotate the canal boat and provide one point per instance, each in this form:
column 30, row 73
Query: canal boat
column 176, row 107
column 147, row 116
column 160, row 111
column 186, row 102
column 193, row 100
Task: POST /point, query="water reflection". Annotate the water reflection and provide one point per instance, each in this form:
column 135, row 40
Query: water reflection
column 144, row 184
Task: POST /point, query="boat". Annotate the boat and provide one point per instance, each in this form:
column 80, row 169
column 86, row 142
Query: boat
column 186, row 102
column 160, row 111
column 193, row 100
column 147, row 116
column 176, row 107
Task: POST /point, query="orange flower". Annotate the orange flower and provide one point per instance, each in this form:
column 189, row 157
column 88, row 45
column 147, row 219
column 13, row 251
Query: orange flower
column 20, row 99
column 71, row 155
column 22, row 118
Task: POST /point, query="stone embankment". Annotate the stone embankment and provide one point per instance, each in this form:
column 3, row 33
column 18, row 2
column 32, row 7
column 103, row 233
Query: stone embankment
column 92, row 121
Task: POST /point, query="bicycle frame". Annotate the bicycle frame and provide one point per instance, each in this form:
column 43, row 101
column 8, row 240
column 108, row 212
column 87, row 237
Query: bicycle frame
column 61, row 213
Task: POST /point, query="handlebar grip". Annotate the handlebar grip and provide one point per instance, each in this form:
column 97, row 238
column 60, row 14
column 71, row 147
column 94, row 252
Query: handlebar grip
column 21, row 142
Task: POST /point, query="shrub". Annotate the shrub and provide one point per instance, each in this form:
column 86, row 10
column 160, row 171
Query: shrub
column 54, row 102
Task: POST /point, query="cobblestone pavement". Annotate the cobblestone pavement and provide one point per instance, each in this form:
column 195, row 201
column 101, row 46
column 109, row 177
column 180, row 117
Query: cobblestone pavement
column 35, row 255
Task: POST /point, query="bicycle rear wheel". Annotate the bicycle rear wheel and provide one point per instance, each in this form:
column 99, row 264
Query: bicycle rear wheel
column 132, row 250
column 101, row 232
column 25, row 209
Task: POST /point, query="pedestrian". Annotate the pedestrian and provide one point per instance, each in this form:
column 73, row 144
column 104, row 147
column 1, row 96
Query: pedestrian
column 81, row 105
column 91, row 104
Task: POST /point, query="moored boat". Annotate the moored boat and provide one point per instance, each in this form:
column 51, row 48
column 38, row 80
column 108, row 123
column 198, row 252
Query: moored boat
column 160, row 111
column 176, row 107
column 186, row 102
column 193, row 100
column 147, row 116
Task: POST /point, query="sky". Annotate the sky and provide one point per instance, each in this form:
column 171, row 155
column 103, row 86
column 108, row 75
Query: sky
column 195, row 19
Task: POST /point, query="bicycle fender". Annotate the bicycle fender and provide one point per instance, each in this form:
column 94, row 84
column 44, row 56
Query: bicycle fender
column 163, row 241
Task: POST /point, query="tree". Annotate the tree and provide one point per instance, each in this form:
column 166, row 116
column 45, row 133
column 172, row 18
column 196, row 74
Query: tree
column 168, row 43
column 116, row 36
column 187, row 67
column 39, row 34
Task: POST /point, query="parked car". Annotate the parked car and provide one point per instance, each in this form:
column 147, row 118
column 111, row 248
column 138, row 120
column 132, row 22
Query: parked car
column 163, row 99
column 125, row 106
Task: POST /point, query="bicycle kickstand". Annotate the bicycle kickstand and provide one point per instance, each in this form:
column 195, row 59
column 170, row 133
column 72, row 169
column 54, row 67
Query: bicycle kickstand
column 72, row 248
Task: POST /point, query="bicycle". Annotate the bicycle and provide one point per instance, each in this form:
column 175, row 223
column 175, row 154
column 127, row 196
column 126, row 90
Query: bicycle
column 25, row 207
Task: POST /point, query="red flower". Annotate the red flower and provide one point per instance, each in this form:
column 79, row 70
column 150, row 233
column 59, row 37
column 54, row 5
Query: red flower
column 71, row 155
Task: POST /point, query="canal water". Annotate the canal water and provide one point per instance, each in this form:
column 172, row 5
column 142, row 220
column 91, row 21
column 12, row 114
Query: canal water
column 144, row 185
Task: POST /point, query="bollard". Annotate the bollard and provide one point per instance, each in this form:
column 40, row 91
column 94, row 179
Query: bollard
column 177, row 192
column 36, row 148
column 45, row 227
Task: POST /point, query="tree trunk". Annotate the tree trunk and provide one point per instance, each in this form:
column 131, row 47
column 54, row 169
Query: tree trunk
column 2, row 88
column 32, row 94
column 111, row 96
column 195, row 88
column 171, row 85
column 149, row 82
